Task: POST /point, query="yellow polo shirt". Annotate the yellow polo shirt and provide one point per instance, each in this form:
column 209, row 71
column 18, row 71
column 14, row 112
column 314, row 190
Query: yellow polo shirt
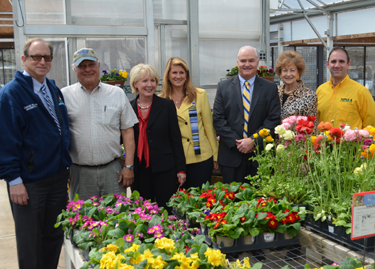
column 349, row 103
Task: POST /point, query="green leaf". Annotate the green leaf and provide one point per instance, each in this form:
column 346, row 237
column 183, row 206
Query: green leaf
column 117, row 233
column 91, row 212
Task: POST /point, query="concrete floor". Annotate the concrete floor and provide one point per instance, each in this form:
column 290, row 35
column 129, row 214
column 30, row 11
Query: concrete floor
column 8, row 249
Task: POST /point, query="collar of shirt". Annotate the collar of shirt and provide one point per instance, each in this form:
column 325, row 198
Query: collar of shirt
column 84, row 88
column 36, row 84
column 342, row 82
column 251, row 84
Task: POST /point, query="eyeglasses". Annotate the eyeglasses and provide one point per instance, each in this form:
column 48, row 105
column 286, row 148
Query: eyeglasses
column 38, row 58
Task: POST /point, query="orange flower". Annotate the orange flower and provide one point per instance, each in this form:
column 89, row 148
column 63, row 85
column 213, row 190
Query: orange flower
column 324, row 126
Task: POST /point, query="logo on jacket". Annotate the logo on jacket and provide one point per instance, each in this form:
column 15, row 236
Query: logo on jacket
column 346, row 100
column 29, row 107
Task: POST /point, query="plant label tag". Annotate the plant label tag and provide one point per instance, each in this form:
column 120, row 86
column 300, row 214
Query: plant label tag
column 331, row 229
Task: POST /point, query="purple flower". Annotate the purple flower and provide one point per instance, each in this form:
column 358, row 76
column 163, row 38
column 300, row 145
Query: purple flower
column 367, row 142
column 140, row 235
column 105, row 72
column 151, row 230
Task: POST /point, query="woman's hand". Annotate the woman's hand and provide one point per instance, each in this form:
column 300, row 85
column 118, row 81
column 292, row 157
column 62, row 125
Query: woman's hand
column 181, row 178
column 216, row 166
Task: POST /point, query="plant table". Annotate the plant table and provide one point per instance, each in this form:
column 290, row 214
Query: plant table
column 73, row 257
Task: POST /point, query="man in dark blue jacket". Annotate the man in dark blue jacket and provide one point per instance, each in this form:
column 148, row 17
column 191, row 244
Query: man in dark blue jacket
column 34, row 157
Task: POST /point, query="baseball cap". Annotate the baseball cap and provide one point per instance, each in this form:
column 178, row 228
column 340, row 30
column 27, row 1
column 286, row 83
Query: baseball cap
column 84, row 54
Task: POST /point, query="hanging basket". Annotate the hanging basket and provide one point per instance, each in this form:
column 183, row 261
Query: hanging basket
column 115, row 82
column 269, row 78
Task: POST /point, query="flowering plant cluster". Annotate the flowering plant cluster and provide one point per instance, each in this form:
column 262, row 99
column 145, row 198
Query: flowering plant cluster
column 232, row 210
column 100, row 221
column 263, row 71
column 321, row 170
column 114, row 75
column 232, row 72
column 163, row 253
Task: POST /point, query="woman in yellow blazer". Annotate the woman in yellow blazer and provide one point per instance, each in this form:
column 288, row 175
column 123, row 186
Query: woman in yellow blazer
column 195, row 121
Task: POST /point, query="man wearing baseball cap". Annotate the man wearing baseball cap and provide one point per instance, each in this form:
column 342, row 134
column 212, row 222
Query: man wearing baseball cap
column 98, row 114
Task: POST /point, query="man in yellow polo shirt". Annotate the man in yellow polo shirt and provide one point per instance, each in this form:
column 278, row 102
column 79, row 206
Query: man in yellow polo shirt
column 341, row 99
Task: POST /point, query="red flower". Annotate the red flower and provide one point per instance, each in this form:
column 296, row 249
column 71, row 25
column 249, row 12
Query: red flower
column 224, row 221
column 304, row 126
column 273, row 223
column 272, row 199
column 242, row 187
column 284, row 220
column 311, row 118
column 229, row 195
column 291, row 218
column 209, row 204
column 243, row 219
column 216, row 225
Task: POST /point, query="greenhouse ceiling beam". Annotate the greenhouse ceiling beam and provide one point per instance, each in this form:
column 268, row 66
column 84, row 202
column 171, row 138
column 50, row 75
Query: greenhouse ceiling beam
column 75, row 30
column 149, row 16
column 193, row 40
column 333, row 8
column 170, row 22
column 313, row 27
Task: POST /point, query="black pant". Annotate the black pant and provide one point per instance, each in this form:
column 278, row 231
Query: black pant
column 239, row 173
column 198, row 173
column 38, row 241
column 158, row 187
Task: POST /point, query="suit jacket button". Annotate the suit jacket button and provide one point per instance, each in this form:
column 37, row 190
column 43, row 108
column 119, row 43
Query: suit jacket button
column 188, row 140
column 185, row 123
column 150, row 141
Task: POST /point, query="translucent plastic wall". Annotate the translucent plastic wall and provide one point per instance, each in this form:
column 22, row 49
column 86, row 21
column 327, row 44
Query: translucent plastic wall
column 224, row 26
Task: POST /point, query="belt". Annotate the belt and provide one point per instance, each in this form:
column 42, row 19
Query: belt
column 97, row 166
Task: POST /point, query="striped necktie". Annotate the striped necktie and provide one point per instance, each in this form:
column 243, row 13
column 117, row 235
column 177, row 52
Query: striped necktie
column 246, row 106
column 50, row 107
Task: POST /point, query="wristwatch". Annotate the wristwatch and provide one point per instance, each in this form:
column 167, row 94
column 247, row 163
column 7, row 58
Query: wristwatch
column 131, row 167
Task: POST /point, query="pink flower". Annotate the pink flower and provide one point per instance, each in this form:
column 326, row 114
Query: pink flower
column 300, row 137
column 350, row 135
column 364, row 133
column 286, row 125
column 301, row 118
column 128, row 238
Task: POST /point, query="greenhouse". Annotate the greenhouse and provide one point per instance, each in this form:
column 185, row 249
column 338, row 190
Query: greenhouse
column 264, row 109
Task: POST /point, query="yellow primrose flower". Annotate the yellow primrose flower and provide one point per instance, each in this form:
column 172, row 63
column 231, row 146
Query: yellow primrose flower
column 195, row 265
column 216, row 258
column 106, row 260
column 133, row 248
column 246, row 263
column 255, row 135
column 157, row 263
column 194, row 256
column 124, row 74
column 137, row 260
column 208, row 252
column 269, row 139
column 147, row 254
column 165, row 243
column 125, row 266
column 183, row 266
column 178, row 256
column 110, row 247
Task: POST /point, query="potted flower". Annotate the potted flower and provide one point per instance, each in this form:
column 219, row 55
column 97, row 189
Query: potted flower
column 266, row 73
column 114, row 77
column 232, row 72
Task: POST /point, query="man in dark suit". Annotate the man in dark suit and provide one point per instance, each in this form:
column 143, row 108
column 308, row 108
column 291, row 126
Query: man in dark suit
column 236, row 122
